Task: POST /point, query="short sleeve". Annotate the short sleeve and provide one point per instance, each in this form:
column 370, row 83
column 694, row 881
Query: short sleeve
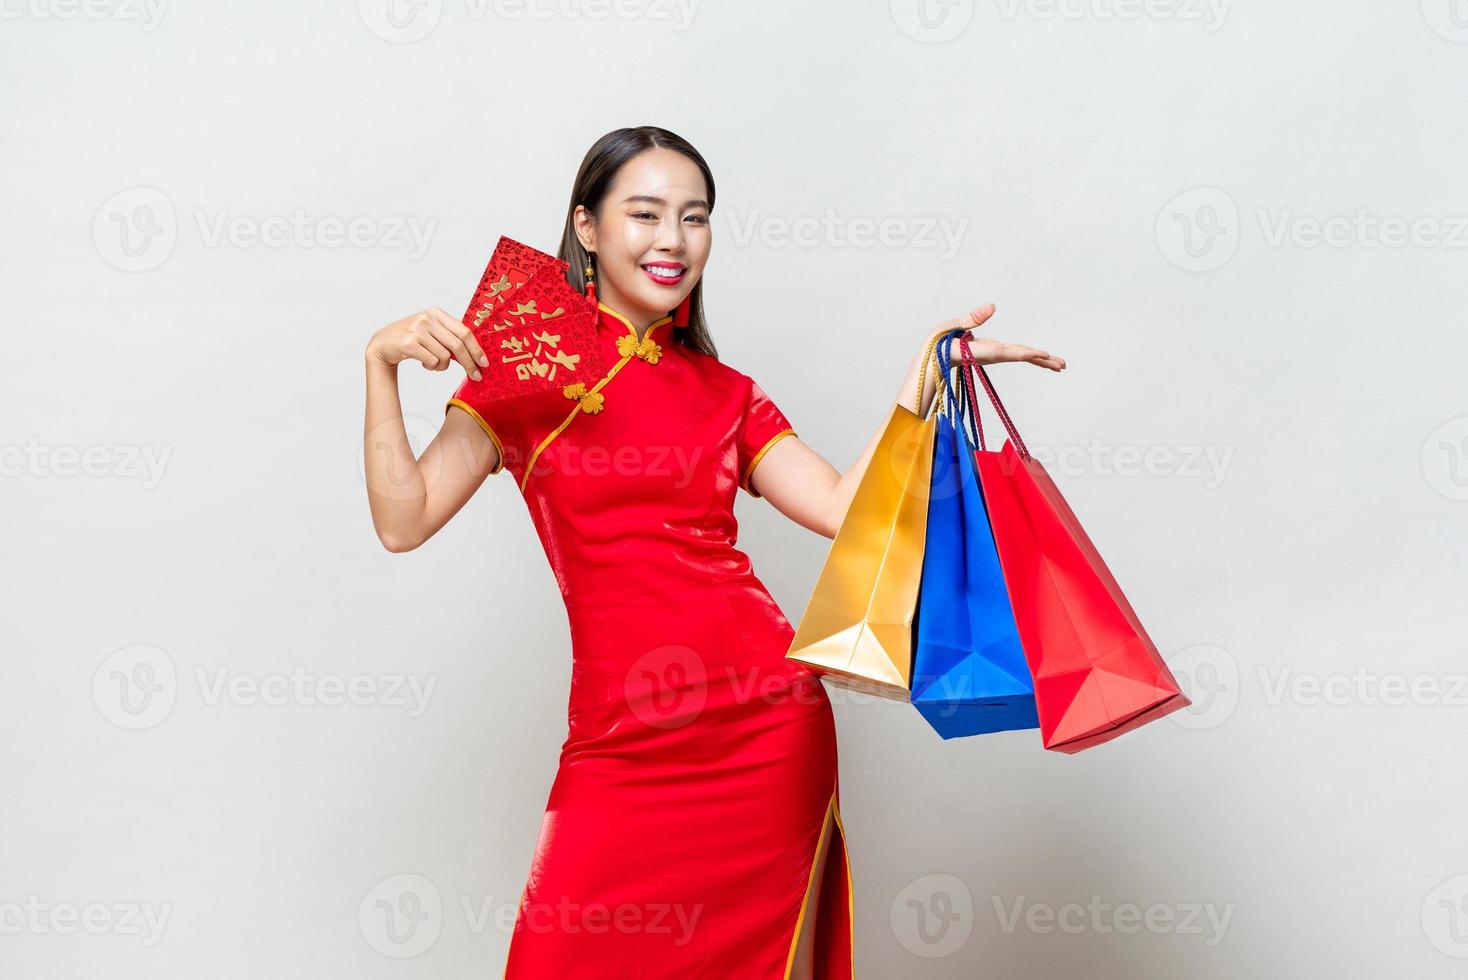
column 762, row 426
column 498, row 417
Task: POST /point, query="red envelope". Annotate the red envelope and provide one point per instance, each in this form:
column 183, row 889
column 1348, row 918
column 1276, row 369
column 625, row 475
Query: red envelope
column 538, row 332
column 511, row 266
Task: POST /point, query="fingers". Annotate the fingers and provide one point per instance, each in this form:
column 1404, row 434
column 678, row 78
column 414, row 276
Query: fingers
column 973, row 318
column 470, row 341
column 419, row 342
column 454, row 347
column 457, row 340
column 429, row 353
column 459, row 330
column 988, row 351
column 435, row 332
column 1044, row 359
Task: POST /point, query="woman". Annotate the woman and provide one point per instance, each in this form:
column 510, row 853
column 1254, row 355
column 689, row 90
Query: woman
column 693, row 829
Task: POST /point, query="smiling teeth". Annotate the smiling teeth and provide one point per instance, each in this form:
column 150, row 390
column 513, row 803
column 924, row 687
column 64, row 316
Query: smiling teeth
column 667, row 272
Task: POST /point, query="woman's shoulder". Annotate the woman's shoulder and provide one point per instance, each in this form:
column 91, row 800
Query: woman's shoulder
column 715, row 370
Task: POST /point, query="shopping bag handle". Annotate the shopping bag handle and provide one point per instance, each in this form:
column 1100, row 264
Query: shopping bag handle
column 966, row 377
column 965, row 419
column 941, row 380
column 971, row 365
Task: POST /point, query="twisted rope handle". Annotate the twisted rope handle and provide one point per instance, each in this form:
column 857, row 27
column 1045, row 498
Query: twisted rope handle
column 971, row 364
column 966, row 378
column 969, row 418
column 942, row 352
column 942, row 382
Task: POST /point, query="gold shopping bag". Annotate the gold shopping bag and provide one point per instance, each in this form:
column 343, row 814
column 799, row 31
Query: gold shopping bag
column 856, row 630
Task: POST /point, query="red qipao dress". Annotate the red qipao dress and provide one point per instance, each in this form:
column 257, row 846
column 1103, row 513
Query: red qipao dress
column 698, row 777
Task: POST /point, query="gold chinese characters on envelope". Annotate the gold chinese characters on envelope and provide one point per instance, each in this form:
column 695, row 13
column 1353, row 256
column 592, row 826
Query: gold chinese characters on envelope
column 538, row 332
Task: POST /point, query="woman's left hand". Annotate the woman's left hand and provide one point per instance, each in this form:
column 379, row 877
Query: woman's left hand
column 988, row 351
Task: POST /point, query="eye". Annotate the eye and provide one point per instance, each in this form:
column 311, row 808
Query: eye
column 698, row 219
column 643, row 214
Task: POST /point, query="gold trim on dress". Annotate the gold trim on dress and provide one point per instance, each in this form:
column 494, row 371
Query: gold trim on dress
column 831, row 818
column 628, row 323
column 749, row 470
column 499, row 446
column 850, row 891
column 592, row 400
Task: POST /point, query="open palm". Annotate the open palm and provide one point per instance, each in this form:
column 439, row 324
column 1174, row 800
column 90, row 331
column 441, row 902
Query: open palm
column 989, row 351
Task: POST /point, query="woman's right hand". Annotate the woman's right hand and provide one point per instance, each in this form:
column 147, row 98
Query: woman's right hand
column 432, row 338
column 988, row 351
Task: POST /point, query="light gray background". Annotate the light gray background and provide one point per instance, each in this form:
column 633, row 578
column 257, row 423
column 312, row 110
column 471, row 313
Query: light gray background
column 182, row 435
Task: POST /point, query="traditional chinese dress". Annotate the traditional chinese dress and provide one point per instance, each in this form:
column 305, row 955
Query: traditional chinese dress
column 698, row 776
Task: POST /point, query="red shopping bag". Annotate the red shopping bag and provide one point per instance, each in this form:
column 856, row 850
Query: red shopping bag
column 1097, row 674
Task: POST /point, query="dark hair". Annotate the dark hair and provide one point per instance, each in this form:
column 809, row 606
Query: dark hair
column 594, row 180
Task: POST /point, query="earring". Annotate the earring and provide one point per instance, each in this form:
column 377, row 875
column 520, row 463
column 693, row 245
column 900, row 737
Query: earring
column 680, row 315
column 590, row 284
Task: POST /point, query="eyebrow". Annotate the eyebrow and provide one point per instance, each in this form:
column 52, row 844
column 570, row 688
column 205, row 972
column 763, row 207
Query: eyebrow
column 699, row 203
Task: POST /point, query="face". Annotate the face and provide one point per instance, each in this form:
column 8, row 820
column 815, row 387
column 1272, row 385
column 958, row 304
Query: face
column 652, row 238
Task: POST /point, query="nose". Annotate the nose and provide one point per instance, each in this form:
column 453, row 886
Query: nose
column 670, row 234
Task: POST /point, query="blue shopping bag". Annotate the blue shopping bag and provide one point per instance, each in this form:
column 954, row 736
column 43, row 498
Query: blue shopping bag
column 969, row 673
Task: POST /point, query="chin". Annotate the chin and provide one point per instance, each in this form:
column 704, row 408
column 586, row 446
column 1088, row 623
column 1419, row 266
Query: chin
column 656, row 300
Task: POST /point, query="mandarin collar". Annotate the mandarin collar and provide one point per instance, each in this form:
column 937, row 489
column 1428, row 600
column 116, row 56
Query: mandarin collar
column 615, row 325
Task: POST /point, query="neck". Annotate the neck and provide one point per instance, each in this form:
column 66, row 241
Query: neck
column 640, row 318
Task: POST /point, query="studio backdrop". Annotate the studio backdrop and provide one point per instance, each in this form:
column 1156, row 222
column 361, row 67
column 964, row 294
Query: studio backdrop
column 242, row 739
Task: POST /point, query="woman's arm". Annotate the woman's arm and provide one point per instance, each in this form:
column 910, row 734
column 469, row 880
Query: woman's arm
column 805, row 487
column 412, row 498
